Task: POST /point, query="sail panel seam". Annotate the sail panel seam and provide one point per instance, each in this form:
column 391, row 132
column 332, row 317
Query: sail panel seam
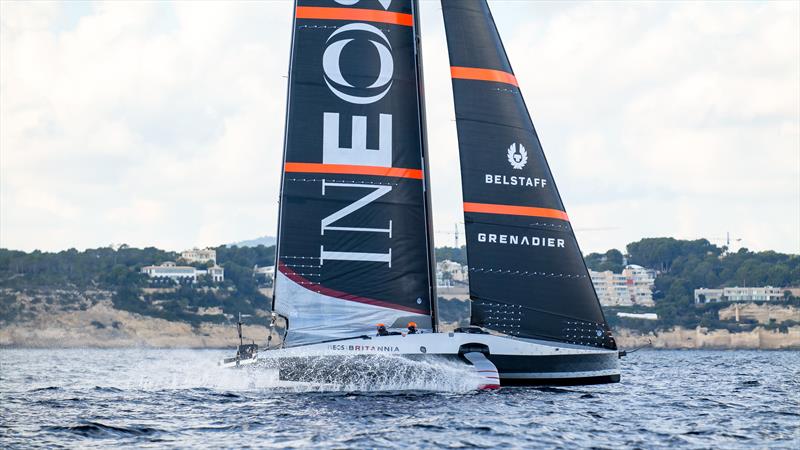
column 498, row 124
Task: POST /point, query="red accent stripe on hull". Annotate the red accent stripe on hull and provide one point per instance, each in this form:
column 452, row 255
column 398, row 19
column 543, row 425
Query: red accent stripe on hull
column 512, row 210
column 345, row 169
column 354, row 14
column 284, row 269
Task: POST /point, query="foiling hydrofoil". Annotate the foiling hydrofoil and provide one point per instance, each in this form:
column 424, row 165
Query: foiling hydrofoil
column 246, row 354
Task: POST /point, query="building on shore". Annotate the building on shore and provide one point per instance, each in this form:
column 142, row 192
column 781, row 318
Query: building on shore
column 199, row 256
column 643, row 316
column 266, row 274
column 737, row 294
column 178, row 274
column 217, row 273
column 449, row 273
column 634, row 286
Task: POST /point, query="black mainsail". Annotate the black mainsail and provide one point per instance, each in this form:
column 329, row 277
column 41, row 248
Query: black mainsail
column 353, row 234
column 527, row 275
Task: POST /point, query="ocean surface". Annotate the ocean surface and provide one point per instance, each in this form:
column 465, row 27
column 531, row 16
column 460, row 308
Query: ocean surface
column 180, row 399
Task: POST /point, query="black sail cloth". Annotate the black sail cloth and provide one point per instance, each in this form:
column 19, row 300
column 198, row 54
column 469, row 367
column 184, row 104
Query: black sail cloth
column 352, row 240
column 527, row 274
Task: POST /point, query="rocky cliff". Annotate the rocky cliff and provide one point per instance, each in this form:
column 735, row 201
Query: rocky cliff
column 700, row 338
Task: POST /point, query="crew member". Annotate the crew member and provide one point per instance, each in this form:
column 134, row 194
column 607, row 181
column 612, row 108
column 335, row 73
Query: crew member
column 412, row 328
column 382, row 331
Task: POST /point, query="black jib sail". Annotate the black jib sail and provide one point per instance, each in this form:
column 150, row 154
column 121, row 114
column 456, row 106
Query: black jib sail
column 353, row 228
column 526, row 273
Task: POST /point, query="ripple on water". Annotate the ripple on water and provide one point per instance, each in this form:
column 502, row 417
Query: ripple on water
column 181, row 399
column 98, row 429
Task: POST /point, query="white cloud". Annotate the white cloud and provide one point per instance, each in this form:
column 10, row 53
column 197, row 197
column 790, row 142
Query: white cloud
column 162, row 124
column 142, row 130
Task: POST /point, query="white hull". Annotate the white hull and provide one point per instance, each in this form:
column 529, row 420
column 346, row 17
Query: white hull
column 518, row 361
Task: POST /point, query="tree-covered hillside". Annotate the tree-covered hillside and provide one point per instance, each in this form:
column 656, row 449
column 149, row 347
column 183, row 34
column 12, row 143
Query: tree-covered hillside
column 683, row 266
column 119, row 270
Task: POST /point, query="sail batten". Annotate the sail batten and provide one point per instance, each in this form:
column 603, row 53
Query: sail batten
column 477, row 73
column 526, row 272
column 354, row 14
column 515, row 210
column 343, row 169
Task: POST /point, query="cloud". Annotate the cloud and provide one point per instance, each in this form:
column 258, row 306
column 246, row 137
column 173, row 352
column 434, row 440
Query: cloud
column 162, row 123
column 677, row 119
column 145, row 130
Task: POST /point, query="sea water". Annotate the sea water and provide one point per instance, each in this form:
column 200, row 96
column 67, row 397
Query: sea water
column 180, row 398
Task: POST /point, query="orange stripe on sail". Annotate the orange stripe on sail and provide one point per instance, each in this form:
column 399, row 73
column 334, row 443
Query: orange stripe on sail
column 367, row 15
column 473, row 73
column 488, row 208
column 346, row 169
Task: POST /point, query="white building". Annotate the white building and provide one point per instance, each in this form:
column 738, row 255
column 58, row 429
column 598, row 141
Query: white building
column 217, row 273
column 737, row 294
column 183, row 273
column 634, row 286
column 448, row 272
column 196, row 255
column 641, row 283
column 267, row 272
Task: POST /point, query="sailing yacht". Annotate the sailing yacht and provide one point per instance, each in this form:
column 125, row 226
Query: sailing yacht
column 355, row 241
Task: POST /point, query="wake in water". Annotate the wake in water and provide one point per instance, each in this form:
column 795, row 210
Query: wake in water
column 196, row 370
column 374, row 373
column 86, row 398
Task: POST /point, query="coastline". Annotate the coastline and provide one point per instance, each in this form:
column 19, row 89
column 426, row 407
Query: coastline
column 702, row 338
column 103, row 326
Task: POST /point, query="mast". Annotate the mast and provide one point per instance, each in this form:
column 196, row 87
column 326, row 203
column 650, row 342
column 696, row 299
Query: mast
column 527, row 274
column 425, row 167
column 283, row 157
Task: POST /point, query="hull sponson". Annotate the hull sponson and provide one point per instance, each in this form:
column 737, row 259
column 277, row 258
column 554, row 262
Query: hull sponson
column 557, row 369
column 527, row 276
column 518, row 361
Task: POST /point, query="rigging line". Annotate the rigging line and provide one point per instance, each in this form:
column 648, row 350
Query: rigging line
column 628, row 352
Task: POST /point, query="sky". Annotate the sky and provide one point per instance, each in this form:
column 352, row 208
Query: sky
column 162, row 123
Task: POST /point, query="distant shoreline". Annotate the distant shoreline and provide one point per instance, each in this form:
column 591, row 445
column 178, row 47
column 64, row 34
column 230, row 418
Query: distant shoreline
column 103, row 326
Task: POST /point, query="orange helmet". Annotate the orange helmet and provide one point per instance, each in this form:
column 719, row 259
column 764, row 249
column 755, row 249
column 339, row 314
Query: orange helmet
column 412, row 324
column 381, row 325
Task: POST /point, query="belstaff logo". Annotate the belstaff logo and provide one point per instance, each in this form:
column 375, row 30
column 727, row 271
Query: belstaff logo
column 336, row 82
column 517, row 158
